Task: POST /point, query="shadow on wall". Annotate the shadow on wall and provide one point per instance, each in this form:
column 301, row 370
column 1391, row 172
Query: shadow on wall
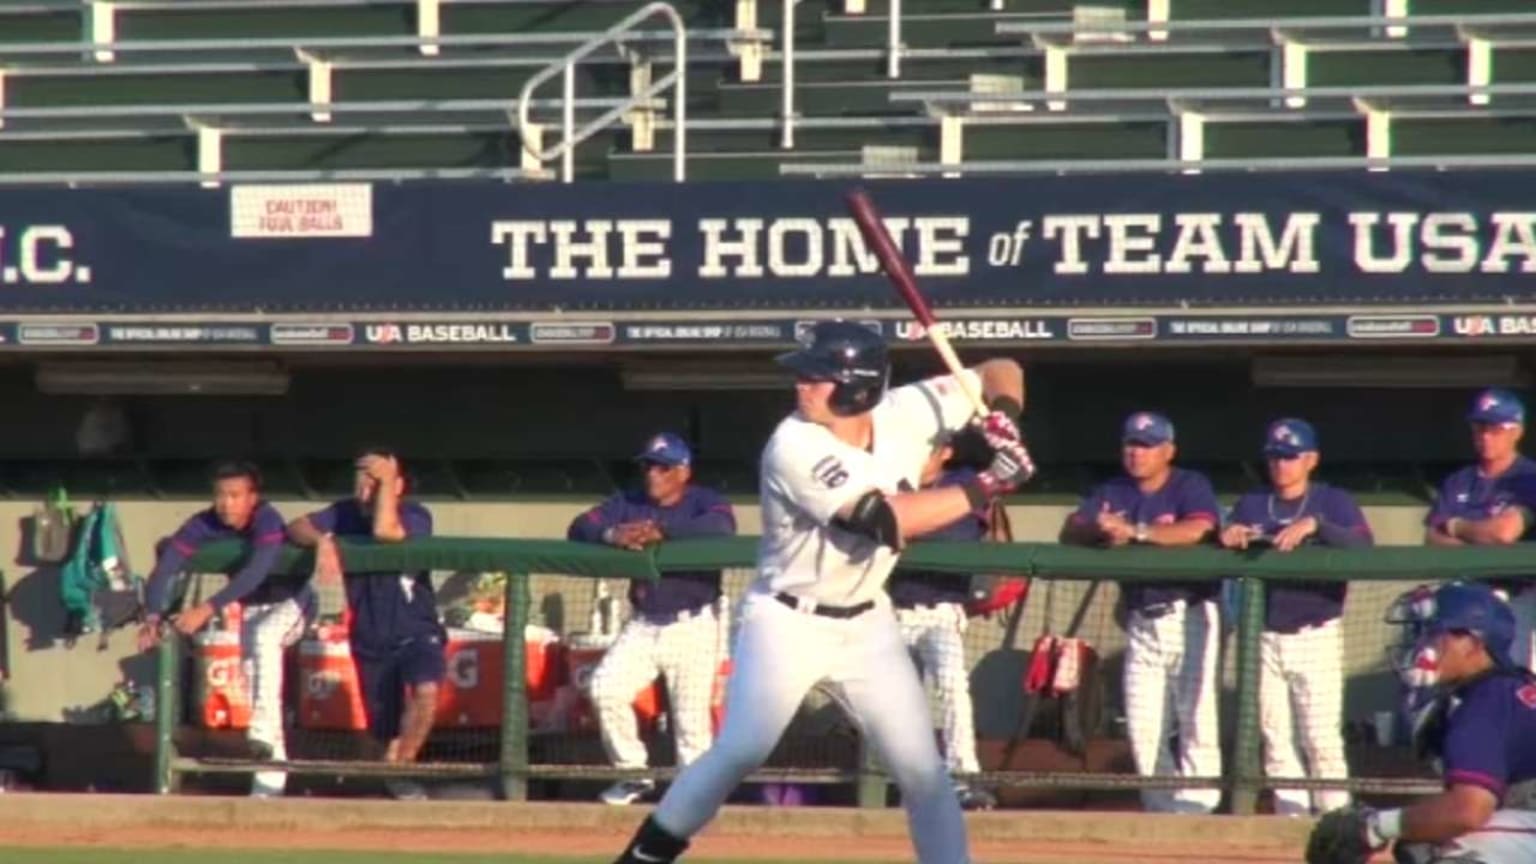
column 33, row 600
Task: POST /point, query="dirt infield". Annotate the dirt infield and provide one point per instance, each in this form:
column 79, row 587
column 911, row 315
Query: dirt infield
column 746, row 833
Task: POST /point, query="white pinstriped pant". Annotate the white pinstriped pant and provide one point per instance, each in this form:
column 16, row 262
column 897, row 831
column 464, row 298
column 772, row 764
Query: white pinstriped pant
column 1301, row 707
column 687, row 654
column 1171, row 686
column 266, row 631
column 1509, row 837
column 935, row 634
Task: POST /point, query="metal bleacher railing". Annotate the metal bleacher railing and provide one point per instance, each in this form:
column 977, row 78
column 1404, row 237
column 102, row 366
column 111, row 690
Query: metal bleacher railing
column 1056, row 42
column 1251, row 572
column 103, row 52
column 1288, row 42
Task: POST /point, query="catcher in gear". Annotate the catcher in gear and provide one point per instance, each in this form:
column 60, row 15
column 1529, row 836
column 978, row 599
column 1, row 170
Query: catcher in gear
column 1481, row 727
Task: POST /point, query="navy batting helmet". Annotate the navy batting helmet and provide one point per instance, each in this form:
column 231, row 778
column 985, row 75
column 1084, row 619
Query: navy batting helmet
column 1475, row 609
column 849, row 354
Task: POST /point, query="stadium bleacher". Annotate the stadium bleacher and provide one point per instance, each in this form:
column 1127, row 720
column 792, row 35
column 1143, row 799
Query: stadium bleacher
column 181, row 89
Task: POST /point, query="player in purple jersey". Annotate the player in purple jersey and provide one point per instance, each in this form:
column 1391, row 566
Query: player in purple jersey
column 1301, row 652
column 275, row 608
column 930, row 609
column 673, row 629
column 1492, row 502
column 1482, row 730
column 1172, row 629
column 396, row 639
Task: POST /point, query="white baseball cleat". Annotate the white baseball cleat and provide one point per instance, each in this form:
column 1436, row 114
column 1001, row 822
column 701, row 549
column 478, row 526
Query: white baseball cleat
column 627, row 792
column 406, row 790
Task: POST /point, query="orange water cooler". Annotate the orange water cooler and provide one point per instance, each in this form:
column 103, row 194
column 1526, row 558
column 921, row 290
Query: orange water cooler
column 329, row 696
column 222, row 695
column 471, row 696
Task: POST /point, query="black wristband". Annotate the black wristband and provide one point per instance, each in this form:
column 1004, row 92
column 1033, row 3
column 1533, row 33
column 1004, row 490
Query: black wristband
column 1005, row 404
column 976, row 493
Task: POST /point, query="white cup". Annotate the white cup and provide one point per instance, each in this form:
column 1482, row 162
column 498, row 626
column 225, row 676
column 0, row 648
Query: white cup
column 1386, row 728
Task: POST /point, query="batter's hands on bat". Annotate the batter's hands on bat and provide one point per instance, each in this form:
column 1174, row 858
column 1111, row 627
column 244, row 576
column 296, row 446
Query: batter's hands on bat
column 1011, row 467
column 997, row 424
column 1296, row 533
column 1343, row 836
column 193, row 619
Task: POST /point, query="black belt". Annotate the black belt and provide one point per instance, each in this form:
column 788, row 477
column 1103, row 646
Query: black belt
column 854, row 611
column 662, row 619
column 926, row 604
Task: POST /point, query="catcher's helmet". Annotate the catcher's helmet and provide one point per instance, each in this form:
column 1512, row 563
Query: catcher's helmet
column 1428, row 611
column 1476, row 609
column 849, row 354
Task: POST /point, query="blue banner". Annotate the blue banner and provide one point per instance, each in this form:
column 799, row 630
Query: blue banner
column 1157, row 242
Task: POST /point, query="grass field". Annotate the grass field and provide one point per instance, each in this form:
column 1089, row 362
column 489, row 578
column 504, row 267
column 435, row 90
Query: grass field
column 326, row 856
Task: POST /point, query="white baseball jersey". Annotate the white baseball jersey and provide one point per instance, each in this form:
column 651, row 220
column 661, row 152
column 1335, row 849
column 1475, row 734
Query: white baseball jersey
column 808, row 475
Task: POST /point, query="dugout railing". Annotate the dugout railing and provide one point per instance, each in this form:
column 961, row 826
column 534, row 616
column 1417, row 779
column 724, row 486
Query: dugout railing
column 1246, row 573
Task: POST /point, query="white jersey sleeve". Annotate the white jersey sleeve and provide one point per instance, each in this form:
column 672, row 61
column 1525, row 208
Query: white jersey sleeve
column 934, row 407
column 815, row 476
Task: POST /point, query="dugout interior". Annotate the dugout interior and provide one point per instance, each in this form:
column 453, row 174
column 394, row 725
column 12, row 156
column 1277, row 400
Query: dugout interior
column 499, row 426
column 515, row 444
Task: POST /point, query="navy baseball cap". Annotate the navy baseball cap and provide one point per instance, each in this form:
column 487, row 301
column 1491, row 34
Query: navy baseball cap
column 1497, row 407
column 1290, row 437
column 1147, row 428
column 665, row 449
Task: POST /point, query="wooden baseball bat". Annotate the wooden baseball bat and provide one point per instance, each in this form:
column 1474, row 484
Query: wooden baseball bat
column 896, row 269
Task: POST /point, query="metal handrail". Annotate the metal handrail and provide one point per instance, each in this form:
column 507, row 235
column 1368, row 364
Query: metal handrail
column 787, row 75
column 321, row 43
column 74, row 179
column 1212, row 94
column 177, row 5
column 677, row 79
column 1147, row 166
column 1341, row 22
column 261, row 109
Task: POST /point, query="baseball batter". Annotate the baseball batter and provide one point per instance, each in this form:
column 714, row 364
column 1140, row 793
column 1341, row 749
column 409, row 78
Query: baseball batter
column 672, row 630
column 930, row 607
column 1493, row 502
column 1172, row 629
column 839, row 498
column 274, row 608
column 1301, row 652
column 1482, row 728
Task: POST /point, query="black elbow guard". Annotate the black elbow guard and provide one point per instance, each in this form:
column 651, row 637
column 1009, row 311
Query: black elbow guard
column 872, row 517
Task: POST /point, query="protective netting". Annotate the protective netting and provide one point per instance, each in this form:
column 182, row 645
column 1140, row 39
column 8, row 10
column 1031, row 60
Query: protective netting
column 1051, row 702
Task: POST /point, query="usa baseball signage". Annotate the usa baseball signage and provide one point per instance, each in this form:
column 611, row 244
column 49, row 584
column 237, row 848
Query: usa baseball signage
column 1022, row 245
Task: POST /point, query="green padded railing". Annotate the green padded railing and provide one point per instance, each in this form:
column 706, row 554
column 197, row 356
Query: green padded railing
column 1252, row 570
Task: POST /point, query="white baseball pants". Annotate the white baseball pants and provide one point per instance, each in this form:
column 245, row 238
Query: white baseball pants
column 780, row 654
column 936, row 635
column 266, row 632
column 1508, row 838
column 685, row 652
column 1171, row 688
column 1301, row 709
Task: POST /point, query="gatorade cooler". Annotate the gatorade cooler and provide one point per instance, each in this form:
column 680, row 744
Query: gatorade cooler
column 223, row 699
column 472, row 696
column 330, row 697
